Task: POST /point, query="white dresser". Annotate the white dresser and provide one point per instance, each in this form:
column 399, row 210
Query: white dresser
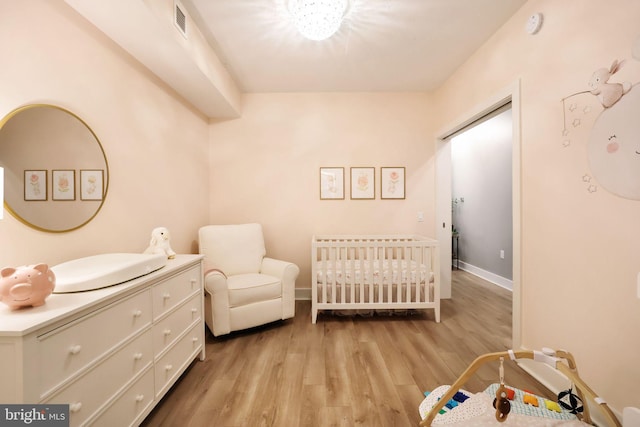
column 111, row 353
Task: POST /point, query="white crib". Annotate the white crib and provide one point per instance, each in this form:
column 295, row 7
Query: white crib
column 353, row 272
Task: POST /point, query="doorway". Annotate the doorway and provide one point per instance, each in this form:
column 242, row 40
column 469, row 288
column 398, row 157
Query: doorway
column 481, row 206
column 508, row 95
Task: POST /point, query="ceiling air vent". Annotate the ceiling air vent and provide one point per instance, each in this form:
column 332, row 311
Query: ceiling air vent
column 180, row 19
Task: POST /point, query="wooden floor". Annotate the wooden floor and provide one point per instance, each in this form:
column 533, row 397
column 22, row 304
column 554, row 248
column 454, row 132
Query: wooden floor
column 344, row 371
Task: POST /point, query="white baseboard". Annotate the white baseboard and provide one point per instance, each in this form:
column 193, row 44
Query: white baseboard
column 303, row 294
column 487, row 275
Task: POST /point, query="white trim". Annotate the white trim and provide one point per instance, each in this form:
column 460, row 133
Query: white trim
column 443, row 213
column 443, row 188
column 503, row 282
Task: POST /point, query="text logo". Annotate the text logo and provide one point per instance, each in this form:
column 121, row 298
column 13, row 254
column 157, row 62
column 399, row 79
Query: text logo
column 34, row 415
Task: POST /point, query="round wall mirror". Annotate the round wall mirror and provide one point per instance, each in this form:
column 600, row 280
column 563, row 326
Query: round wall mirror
column 56, row 171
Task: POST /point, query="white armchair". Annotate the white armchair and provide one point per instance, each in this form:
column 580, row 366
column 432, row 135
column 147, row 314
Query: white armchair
column 243, row 288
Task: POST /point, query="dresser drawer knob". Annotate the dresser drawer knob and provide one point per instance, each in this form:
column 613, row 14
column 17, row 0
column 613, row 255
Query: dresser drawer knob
column 75, row 349
column 194, row 339
column 166, row 296
column 168, row 367
column 137, row 313
column 137, row 356
column 140, row 398
column 194, row 310
column 167, row 332
column 193, row 282
column 75, row 407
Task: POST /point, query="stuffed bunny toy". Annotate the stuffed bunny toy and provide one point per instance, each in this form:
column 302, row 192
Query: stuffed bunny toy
column 160, row 243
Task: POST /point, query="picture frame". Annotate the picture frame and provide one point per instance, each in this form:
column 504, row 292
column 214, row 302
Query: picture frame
column 331, row 183
column 392, row 182
column 63, row 184
column 363, row 183
column 35, row 185
column 91, row 184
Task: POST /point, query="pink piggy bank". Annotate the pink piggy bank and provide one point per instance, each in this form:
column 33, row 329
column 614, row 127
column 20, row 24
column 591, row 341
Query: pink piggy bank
column 24, row 286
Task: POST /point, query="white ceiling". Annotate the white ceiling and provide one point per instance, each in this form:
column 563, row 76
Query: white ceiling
column 252, row 45
column 383, row 45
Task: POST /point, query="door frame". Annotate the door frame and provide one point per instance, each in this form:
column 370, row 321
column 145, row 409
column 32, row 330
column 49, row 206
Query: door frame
column 511, row 94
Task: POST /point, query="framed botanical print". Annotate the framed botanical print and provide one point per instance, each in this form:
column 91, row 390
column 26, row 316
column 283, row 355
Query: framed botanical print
column 331, row 183
column 392, row 183
column 363, row 184
column 63, row 184
column 35, row 185
column 91, row 184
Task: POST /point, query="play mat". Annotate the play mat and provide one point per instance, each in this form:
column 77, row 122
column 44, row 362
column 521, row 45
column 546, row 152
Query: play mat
column 501, row 404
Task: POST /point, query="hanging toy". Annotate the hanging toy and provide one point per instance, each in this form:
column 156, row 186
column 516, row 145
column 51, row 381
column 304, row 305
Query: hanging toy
column 501, row 402
column 570, row 401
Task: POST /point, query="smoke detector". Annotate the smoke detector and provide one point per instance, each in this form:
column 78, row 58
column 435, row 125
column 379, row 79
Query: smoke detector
column 534, row 23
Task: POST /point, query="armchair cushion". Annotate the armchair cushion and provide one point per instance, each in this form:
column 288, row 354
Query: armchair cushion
column 252, row 287
column 236, row 249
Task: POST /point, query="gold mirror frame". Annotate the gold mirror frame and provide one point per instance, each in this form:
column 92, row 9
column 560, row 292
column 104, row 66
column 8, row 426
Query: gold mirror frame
column 40, row 143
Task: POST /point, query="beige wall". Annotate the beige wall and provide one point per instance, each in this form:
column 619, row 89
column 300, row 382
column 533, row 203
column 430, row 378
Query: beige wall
column 156, row 146
column 579, row 254
column 265, row 166
column 579, row 249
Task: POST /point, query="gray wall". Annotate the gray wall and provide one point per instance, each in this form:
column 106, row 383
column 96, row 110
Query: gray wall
column 481, row 176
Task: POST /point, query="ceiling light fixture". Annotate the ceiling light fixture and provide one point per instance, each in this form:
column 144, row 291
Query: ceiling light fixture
column 318, row 19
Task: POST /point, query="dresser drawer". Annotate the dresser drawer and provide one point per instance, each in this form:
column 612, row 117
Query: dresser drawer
column 171, row 292
column 88, row 393
column 170, row 328
column 172, row 364
column 126, row 410
column 70, row 348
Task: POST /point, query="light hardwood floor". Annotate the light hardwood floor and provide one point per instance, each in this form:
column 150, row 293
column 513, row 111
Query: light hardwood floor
column 344, row 371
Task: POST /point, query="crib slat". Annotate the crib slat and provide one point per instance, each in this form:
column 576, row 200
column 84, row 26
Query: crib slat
column 420, row 288
column 416, row 258
column 323, row 268
column 332, row 257
column 388, row 291
column 397, row 269
column 352, row 285
column 407, row 269
column 360, row 262
column 370, row 275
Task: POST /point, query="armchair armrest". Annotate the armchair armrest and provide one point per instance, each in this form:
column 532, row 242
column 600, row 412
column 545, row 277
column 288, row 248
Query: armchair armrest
column 215, row 281
column 287, row 272
column 217, row 308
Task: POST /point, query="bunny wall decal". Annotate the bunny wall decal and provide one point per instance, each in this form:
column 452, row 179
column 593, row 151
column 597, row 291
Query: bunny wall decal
column 608, row 93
